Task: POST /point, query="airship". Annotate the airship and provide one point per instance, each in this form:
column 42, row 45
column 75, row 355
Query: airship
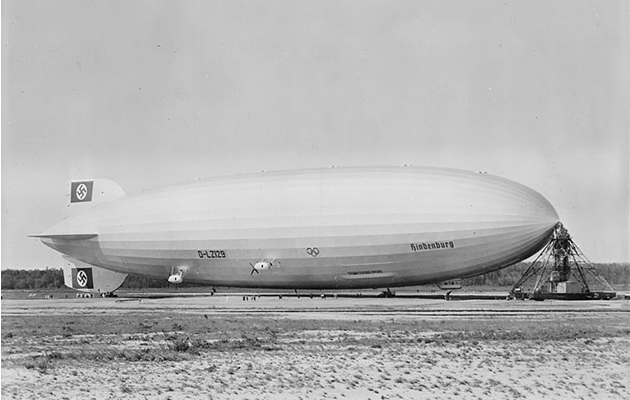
column 327, row 228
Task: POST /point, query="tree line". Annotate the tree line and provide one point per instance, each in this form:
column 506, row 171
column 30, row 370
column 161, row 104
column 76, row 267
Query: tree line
column 52, row 278
column 614, row 273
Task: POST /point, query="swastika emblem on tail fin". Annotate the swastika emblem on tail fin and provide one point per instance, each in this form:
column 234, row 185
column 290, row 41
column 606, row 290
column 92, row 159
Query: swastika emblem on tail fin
column 82, row 278
column 81, row 191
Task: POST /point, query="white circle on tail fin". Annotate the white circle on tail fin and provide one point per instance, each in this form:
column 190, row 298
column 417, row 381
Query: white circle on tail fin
column 81, row 191
column 82, row 278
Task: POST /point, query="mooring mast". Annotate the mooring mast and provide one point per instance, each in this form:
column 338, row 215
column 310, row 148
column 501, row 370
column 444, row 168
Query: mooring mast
column 562, row 271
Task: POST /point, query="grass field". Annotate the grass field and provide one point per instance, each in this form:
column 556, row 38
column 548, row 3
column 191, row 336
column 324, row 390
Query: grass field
column 204, row 349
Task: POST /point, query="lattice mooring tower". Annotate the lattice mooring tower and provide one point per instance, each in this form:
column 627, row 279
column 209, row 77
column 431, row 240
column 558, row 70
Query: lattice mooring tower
column 562, row 271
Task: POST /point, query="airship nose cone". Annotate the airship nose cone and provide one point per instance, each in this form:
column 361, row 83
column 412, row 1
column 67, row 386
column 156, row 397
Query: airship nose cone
column 532, row 205
column 548, row 213
column 520, row 218
column 508, row 199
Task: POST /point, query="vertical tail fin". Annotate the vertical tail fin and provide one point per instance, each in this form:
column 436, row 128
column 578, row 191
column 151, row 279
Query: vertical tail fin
column 88, row 278
column 93, row 191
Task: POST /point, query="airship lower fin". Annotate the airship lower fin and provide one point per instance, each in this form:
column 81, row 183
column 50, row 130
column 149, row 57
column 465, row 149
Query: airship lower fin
column 94, row 191
column 88, row 278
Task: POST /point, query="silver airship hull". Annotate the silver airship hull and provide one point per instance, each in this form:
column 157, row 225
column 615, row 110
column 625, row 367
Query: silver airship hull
column 315, row 229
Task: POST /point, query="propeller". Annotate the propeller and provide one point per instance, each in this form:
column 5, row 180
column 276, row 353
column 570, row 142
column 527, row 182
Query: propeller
column 261, row 265
column 253, row 269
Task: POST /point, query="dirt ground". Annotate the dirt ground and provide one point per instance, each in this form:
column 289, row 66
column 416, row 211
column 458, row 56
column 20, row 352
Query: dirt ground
column 218, row 348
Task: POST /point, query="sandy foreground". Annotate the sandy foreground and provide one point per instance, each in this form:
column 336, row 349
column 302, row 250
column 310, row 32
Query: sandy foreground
column 401, row 354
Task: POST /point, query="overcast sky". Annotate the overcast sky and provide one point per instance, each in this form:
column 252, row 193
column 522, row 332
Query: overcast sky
column 150, row 93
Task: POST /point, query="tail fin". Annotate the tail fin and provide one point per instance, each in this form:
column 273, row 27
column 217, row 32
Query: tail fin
column 94, row 191
column 88, row 278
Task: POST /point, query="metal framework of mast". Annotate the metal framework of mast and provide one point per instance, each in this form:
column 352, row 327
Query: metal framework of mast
column 561, row 270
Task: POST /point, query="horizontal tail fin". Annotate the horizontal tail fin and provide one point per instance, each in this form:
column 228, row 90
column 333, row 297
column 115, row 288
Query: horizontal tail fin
column 72, row 236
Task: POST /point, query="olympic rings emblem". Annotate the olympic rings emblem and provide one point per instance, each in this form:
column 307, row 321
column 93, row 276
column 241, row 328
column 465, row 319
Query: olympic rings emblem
column 312, row 251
